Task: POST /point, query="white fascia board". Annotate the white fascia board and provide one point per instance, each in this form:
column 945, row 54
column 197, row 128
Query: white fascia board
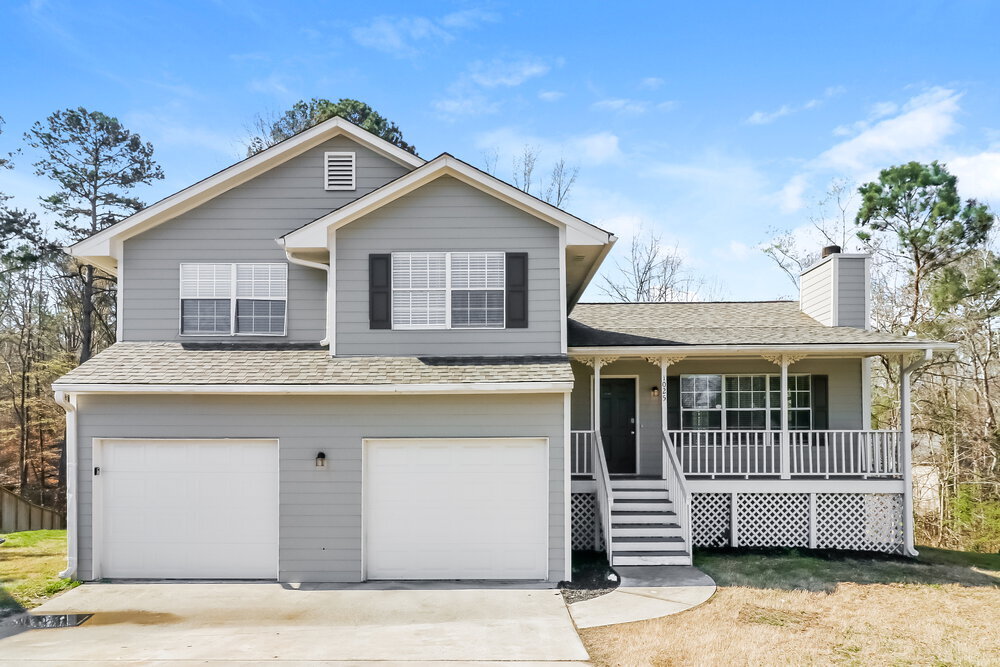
column 313, row 235
column 578, row 294
column 100, row 244
column 815, row 350
column 338, row 389
column 829, row 258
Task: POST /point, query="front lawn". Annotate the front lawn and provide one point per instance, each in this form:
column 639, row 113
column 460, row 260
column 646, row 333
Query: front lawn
column 791, row 608
column 30, row 563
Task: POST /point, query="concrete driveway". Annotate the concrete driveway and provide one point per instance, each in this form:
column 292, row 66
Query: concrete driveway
column 269, row 622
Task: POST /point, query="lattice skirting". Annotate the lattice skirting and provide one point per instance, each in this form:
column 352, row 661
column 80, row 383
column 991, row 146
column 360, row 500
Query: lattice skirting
column 854, row 521
column 586, row 530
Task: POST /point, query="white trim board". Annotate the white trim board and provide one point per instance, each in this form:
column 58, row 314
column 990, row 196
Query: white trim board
column 342, row 389
column 813, row 350
column 106, row 244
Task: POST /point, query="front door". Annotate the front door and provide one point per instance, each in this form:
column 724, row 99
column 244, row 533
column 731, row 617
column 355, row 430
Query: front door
column 618, row 424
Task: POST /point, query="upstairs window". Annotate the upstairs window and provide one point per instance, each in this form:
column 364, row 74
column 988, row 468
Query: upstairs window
column 234, row 299
column 448, row 290
column 339, row 172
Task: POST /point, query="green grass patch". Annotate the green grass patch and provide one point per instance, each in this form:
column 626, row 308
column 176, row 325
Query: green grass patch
column 790, row 569
column 30, row 563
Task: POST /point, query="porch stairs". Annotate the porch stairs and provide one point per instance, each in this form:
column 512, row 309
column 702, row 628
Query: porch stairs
column 645, row 529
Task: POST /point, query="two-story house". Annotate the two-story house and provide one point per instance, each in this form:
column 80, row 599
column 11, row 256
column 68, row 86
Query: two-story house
column 339, row 362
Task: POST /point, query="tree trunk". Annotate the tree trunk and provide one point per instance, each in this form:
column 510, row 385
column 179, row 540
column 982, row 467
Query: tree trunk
column 87, row 314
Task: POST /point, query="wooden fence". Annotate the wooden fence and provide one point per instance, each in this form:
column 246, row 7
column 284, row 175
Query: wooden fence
column 17, row 514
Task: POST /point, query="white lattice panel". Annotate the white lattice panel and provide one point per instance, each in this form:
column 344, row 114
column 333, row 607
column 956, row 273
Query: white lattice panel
column 772, row 519
column 585, row 533
column 859, row 521
column 710, row 517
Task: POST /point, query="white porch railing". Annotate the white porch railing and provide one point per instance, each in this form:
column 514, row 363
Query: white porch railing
column 581, row 453
column 677, row 489
column 604, row 495
column 743, row 453
column 845, row 453
column 827, row 453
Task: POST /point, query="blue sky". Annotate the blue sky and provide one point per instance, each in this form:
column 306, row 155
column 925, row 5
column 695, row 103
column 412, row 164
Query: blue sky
column 708, row 122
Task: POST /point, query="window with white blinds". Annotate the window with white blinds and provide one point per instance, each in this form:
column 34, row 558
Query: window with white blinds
column 441, row 290
column 339, row 172
column 234, row 299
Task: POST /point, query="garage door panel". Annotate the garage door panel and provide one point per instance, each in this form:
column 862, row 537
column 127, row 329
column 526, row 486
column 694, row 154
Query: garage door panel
column 457, row 509
column 190, row 509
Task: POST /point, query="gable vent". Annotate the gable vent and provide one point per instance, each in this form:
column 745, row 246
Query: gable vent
column 338, row 171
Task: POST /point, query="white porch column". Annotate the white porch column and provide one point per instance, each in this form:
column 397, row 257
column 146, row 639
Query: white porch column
column 906, row 445
column 596, row 409
column 786, row 449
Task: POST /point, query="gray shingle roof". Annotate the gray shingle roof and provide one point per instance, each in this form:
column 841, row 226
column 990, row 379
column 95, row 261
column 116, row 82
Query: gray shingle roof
column 707, row 323
column 176, row 363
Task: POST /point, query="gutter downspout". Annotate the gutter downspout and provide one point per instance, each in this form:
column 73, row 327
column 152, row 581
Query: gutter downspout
column 68, row 402
column 312, row 265
column 906, row 455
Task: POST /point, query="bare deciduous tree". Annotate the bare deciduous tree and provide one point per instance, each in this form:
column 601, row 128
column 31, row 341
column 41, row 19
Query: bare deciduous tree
column 652, row 273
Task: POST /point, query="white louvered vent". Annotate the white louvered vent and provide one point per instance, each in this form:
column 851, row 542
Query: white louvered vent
column 339, row 171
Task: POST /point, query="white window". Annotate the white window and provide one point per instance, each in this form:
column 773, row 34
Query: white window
column 233, row 299
column 339, row 171
column 744, row 402
column 442, row 290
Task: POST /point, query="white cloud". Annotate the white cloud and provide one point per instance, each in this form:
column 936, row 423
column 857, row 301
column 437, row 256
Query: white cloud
column 551, row 95
column 651, row 83
column 587, row 149
column 765, row 117
column 978, row 176
column 474, row 104
column 621, row 105
column 500, row 73
column 926, row 120
column 791, row 197
column 407, row 36
column 271, row 85
column 599, row 148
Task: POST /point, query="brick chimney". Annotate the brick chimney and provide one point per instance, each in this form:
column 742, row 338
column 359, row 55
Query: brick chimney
column 836, row 290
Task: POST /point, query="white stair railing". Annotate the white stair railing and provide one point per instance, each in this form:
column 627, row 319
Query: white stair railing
column 604, row 495
column 677, row 489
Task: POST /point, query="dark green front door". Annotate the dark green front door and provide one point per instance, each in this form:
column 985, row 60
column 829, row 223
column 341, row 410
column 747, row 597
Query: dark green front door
column 618, row 424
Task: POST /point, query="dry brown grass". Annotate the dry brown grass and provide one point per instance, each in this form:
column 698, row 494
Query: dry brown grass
column 794, row 610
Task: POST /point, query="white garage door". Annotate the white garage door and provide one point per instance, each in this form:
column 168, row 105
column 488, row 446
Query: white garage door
column 189, row 509
column 456, row 509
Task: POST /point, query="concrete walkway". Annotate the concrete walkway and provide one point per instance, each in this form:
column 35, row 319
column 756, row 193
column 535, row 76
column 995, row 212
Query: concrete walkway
column 259, row 622
column 645, row 592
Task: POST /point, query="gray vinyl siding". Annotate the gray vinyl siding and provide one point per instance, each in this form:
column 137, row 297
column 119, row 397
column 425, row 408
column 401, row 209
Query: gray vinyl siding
column 241, row 225
column 851, row 292
column 845, row 397
column 320, row 535
column 448, row 215
column 816, row 298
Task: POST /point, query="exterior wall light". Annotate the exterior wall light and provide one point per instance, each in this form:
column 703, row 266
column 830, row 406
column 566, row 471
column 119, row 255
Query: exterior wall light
column 655, row 391
column 320, row 460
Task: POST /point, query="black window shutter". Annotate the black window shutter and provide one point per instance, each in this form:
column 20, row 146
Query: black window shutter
column 379, row 291
column 517, row 290
column 821, row 402
column 673, row 402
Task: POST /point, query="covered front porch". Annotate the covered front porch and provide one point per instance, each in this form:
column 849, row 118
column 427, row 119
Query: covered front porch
column 765, row 416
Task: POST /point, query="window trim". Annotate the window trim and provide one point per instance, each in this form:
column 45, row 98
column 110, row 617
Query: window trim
column 447, row 289
column 233, row 298
column 725, row 408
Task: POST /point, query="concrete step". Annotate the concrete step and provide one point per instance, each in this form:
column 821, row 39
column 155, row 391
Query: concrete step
column 634, row 516
column 656, row 530
column 641, row 494
column 646, row 544
column 637, row 483
column 639, row 505
column 651, row 558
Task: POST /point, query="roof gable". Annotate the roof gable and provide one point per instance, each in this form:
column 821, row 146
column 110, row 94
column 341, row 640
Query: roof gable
column 314, row 234
column 104, row 248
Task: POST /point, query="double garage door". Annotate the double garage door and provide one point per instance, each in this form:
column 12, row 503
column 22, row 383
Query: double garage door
column 433, row 509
